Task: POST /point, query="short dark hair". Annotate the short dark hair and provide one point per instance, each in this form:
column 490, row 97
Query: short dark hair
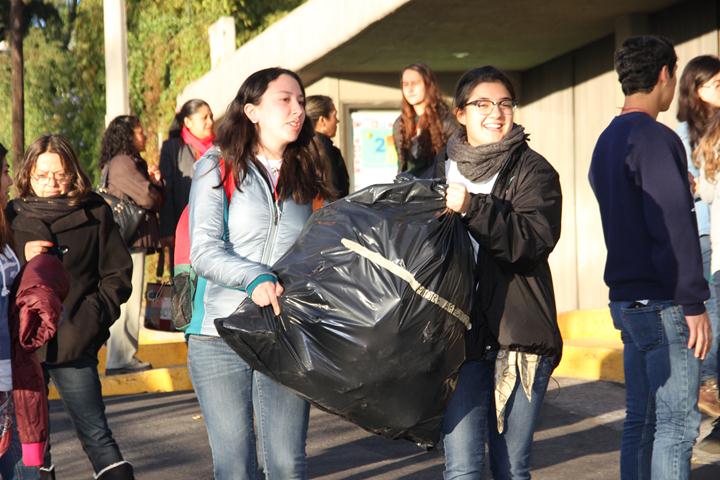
column 476, row 76
column 79, row 186
column 639, row 60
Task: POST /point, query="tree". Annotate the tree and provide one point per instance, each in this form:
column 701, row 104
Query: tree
column 15, row 19
column 168, row 48
column 64, row 71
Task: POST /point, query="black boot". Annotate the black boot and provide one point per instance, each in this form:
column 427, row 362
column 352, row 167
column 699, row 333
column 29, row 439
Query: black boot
column 47, row 473
column 120, row 471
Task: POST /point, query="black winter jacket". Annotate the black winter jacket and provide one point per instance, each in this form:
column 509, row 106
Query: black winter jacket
column 176, row 166
column 516, row 227
column 338, row 171
column 96, row 260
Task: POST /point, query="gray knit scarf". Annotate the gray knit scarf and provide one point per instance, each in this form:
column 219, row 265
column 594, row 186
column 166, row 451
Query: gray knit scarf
column 479, row 164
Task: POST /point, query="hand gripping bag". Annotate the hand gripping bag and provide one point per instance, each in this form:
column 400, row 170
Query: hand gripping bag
column 377, row 295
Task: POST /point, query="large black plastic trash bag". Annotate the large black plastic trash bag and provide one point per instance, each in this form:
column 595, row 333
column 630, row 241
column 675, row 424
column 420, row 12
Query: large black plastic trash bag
column 380, row 348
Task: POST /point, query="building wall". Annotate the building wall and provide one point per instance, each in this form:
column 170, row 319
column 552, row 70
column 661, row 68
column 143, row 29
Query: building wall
column 565, row 104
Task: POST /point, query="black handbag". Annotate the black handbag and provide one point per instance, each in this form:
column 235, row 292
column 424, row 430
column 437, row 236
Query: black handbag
column 127, row 214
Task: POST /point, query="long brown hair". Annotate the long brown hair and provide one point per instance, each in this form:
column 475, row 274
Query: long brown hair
column 6, row 237
column 302, row 175
column 708, row 150
column 691, row 108
column 78, row 187
column 431, row 119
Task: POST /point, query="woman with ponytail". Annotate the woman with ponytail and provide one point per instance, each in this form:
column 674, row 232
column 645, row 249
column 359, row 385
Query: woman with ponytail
column 191, row 135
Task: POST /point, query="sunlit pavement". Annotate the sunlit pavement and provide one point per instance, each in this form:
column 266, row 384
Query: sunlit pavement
column 164, row 437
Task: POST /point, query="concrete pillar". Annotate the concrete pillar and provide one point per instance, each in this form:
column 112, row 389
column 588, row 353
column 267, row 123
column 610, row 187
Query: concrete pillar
column 117, row 99
column 222, row 40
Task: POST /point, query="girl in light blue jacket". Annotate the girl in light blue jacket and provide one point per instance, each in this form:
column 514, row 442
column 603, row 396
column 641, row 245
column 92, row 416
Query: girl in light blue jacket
column 265, row 142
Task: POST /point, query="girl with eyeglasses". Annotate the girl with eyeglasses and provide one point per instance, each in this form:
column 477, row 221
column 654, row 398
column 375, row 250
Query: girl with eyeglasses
column 698, row 107
column 56, row 210
column 425, row 124
column 509, row 198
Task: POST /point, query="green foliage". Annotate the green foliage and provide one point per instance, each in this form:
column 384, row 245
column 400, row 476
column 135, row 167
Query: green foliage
column 64, row 76
column 65, row 73
column 168, row 48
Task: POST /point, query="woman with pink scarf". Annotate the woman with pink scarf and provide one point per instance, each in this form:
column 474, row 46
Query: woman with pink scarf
column 191, row 134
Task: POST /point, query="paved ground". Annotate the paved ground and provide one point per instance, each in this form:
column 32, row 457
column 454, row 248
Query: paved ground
column 164, row 436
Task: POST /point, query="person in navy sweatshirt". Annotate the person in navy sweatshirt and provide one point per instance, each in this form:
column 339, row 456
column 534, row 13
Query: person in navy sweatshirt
column 654, row 265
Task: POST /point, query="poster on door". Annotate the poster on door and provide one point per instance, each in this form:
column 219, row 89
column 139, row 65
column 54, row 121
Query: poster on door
column 374, row 155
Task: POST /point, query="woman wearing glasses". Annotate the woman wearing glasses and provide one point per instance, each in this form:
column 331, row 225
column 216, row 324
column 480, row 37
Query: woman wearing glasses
column 425, row 124
column 55, row 209
column 509, row 198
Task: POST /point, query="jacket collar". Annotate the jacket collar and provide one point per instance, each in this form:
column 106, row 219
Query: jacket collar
column 36, row 226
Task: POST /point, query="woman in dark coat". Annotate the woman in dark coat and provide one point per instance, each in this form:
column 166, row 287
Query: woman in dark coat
column 191, row 135
column 56, row 211
column 510, row 200
column 321, row 111
column 128, row 178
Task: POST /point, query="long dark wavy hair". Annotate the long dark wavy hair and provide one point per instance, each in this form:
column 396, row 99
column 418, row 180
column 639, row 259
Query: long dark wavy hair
column 119, row 139
column 431, row 120
column 78, row 187
column 691, row 108
column 187, row 109
column 303, row 175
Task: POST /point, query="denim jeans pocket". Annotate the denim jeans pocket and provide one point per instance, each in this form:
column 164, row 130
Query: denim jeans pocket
column 644, row 325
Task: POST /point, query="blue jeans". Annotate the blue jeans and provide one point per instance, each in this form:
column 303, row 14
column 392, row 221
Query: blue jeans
column 81, row 392
column 711, row 364
column 231, row 394
column 470, row 421
column 662, row 377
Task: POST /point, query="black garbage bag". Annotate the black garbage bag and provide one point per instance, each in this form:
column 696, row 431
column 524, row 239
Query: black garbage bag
column 377, row 295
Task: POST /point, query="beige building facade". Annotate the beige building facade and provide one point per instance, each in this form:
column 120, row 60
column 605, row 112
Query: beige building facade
column 559, row 54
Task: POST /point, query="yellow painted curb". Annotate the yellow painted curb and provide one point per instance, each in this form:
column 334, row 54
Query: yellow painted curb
column 593, row 348
column 592, row 360
column 596, row 324
column 169, row 379
column 593, row 351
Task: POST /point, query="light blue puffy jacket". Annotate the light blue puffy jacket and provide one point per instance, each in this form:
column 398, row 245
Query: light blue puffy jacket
column 235, row 258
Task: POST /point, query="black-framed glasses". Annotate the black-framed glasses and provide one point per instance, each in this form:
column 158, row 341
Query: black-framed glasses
column 485, row 105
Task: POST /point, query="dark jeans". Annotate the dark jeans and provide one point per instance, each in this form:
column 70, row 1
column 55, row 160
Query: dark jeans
column 79, row 386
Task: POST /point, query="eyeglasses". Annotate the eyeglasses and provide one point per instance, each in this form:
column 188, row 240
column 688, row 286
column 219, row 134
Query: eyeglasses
column 485, row 106
column 59, row 177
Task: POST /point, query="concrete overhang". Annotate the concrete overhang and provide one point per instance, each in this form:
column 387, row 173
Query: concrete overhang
column 350, row 37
